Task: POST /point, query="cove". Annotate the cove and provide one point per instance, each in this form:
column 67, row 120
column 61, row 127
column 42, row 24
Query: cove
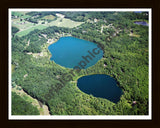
column 100, row 85
column 141, row 23
column 72, row 52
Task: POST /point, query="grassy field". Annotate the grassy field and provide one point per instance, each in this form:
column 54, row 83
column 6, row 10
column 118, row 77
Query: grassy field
column 64, row 23
column 17, row 13
column 147, row 21
column 25, row 32
column 18, row 24
column 135, row 35
column 21, row 14
column 13, row 68
column 49, row 17
column 27, row 27
column 26, row 16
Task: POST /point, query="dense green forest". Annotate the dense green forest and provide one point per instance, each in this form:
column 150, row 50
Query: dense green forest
column 14, row 30
column 125, row 46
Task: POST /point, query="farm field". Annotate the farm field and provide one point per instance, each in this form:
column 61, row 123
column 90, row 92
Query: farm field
column 64, row 23
column 26, row 27
column 19, row 13
column 49, row 17
column 21, row 25
column 25, row 32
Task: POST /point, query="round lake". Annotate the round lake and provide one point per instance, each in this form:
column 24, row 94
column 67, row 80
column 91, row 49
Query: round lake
column 100, row 85
column 72, row 52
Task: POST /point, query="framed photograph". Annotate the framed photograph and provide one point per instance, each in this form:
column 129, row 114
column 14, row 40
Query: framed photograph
column 80, row 64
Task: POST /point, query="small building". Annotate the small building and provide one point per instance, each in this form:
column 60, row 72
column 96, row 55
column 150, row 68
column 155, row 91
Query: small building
column 134, row 103
column 25, row 75
column 114, row 34
column 41, row 54
column 95, row 20
column 60, row 15
column 29, row 53
column 105, row 21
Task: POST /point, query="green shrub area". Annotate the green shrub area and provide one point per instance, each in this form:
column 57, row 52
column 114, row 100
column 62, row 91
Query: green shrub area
column 14, row 30
column 22, row 107
column 27, row 31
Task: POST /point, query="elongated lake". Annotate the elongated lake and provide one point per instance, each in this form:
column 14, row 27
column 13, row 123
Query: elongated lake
column 72, row 52
column 141, row 23
column 100, row 85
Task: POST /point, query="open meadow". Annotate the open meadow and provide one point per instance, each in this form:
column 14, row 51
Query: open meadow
column 26, row 27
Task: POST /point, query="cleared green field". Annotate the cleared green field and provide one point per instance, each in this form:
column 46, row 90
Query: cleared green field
column 27, row 27
column 26, row 16
column 25, row 32
column 19, row 24
column 49, row 17
column 20, row 14
column 13, row 68
column 17, row 13
column 64, row 23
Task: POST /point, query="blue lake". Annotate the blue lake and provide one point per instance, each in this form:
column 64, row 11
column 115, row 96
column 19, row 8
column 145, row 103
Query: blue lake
column 141, row 23
column 72, row 52
column 100, row 85
column 137, row 11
